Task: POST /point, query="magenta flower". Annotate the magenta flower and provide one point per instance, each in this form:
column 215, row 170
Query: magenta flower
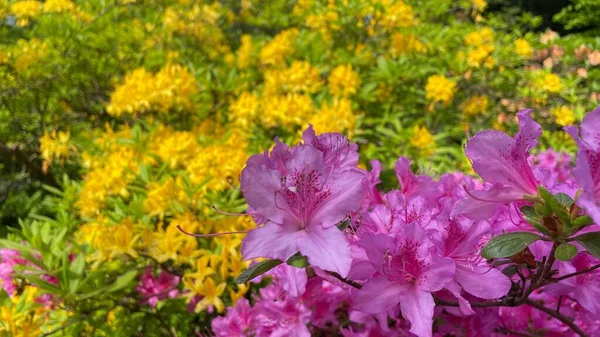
column 503, row 162
column 412, row 185
column 9, row 258
column 154, row 289
column 583, row 288
column 239, row 321
column 281, row 317
column 408, row 271
column 461, row 242
column 302, row 192
column 587, row 169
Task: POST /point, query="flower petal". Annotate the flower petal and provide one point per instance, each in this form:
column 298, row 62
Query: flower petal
column 271, row 241
column 378, row 295
column 482, row 281
column 417, row 308
column 326, row 248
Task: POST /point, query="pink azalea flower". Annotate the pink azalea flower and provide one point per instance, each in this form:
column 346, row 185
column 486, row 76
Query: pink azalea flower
column 154, row 289
column 587, row 169
column 291, row 279
column 412, row 185
column 408, row 271
column 303, row 192
column 583, row 288
column 237, row 322
column 281, row 317
column 503, row 162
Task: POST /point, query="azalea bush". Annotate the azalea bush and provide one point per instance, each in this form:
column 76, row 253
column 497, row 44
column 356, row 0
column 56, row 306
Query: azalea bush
column 516, row 253
column 125, row 127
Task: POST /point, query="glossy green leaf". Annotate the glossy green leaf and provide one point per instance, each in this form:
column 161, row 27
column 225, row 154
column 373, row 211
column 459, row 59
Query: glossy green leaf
column 509, row 244
column 257, row 270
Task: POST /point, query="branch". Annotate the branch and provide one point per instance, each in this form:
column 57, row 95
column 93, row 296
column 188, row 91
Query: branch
column 564, row 277
column 507, row 331
column 553, row 313
column 348, row 282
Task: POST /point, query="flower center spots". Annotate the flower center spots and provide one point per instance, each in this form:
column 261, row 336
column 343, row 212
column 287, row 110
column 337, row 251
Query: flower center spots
column 404, row 265
column 304, row 192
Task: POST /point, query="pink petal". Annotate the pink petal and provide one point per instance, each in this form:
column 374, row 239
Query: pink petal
column 482, row 281
column 326, row 248
column 417, row 308
column 347, row 192
column 437, row 275
column 378, row 295
column 271, row 241
column 259, row 185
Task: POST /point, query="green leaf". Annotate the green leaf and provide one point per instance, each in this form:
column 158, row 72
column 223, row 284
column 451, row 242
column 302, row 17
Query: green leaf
column 534, row 219
column 123, row 281
column 257, row 270
column 582, row 221
column 508, row 244
column 564, row 199
column 298, row 260
column 565, row 252
column 555, row 205
column 591, row 242
column 78, row 265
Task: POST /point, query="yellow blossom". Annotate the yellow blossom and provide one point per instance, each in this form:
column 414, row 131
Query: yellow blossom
column 336, row 117
column 343, row 81
column 210, row 292
column 548, row 82
column 405, row 43
column 244, row 53
column 564, row 116
column 171, row 88
column 483, row 36
column 55, row 146
column 59, row 6
column 288, row 110
column 279, row 48
column 475, row 105
column 440, row 89
column 423, row 140
column 29, row 53
column 398, row 15
column 244, row 109
column 523, row 48
column 26, row 10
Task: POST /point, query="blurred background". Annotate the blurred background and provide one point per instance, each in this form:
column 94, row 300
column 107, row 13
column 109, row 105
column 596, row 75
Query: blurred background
column 120, row 120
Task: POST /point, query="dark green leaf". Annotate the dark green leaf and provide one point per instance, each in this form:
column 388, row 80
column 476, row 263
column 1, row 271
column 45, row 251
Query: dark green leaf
column 123, row 281
column 591, row 242
column 298, row 261
column 565, row 252
column 508, row 244
column 257, row 270
column 555, row 205
column 582, row 221
column 564, row 199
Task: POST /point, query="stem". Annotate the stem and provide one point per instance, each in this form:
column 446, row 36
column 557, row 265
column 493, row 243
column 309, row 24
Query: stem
column 577, row 273
column 553, row 313
column 348, row 282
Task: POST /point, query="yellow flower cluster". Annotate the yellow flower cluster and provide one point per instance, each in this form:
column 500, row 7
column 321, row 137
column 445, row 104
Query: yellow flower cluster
column 523, row 48
column 343, row 81
column 29, row 53
column 67, row 7
column 55, row 146
column 440, row 89
column 336, row 117
column 286, row 110
column 26, row 10
column 279, row 48
column 323, row 22
column 481, row 46
column 405, row 44
column 22, row 316
column 564, row 116
column 300, row 76
column 548, row 82
column 244, row 53
column 199, row 21
column 397, row 14
column 423, row 140
column 173, row 87
column 475, row 105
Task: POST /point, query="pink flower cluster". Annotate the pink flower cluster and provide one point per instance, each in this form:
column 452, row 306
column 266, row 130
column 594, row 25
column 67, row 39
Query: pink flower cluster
column 379, row 262
column 153, row 289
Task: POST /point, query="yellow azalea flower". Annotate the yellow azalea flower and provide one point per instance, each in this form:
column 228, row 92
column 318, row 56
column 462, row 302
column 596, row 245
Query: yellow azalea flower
column 423, row 140
column 244, row 53
column 404, row 44
column 343, row 81
column 475, row 105
column 29, row 53
column 335, row 117
column 440, row 89
column 26, row 10
column 549, row 82
column 397, row 15
column 171, row 88
column 244, row 109
column 242, row 290
column 287, row 110
column 300, row 77
column 210, row 292
column 479, row 5
column 523, row 48
column 483, row 36
column 279, row 48
column 202, row 270
column 564, row 116
column 55, row 146
column 59, row 6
